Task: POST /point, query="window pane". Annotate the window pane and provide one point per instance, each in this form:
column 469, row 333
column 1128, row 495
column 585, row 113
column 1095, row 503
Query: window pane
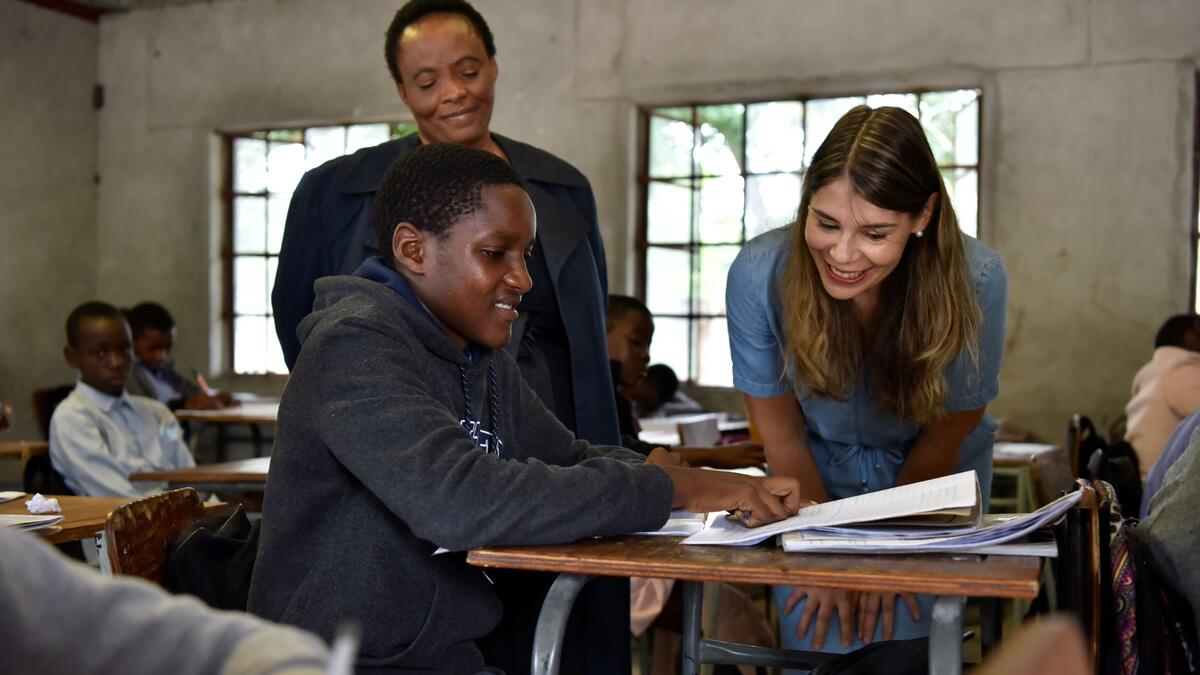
column 714, row 367
column 272, row 269
column 720, row 150
column 365, row 135
column 822, row 114
column 249, row 165
column 669, row 213
column 771, row 202
column 710, row 286
column 906, row 101
column 668, row 280
column 277, row 208
column 670, row 147
column 775, row 137
column 250, row 285
column 720, row 217
column 323, row 144
column 249, row 224
column 963, row 186
column 250, row 344
column 951, row 121
column 285, row 165
column 670, row 345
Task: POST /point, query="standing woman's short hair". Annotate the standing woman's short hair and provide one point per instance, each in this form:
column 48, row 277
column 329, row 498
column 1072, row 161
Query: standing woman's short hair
column 930, row 313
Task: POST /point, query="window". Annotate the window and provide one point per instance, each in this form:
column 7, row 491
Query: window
column 716, row 175
column 264, row 168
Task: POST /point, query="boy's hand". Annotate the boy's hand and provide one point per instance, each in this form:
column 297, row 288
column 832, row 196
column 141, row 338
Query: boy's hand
column 5, row 411
column 227, row 400
column 202, row 402
column 758, row 500
column 664, row 457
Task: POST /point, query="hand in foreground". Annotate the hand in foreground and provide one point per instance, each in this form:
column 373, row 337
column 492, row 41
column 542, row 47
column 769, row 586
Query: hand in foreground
column 664, row 457
column 759, row 500
column 821, row 603
column 872, row 604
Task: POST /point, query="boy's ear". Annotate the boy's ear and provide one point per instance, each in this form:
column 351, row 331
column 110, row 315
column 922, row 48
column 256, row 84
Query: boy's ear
column 69, row 355
column 408, row 248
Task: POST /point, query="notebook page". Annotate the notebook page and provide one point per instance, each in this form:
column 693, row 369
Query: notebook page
column 956, row 491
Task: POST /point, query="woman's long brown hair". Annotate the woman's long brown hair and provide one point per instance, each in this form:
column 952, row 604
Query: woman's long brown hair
column 929, row 312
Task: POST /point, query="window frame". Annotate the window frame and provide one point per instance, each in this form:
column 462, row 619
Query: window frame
column 641, row 244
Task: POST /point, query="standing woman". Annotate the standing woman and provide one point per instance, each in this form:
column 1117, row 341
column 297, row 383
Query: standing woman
column 866, row 341
column 441, row 56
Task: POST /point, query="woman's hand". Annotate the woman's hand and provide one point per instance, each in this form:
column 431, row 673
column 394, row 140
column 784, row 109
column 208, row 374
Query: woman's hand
column 821, row 603
column 873, row 603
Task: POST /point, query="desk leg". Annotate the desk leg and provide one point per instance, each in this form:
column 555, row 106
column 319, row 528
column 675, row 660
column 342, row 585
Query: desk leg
column 552, row 622
column 257, row 435
column 693, row 606
column 945, row 636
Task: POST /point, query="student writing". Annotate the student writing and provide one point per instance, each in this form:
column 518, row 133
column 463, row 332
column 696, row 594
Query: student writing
column 406, row 427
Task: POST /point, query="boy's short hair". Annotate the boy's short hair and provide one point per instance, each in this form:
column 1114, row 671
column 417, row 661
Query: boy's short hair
column 1174, row 330
column 93, row 309
column 414, row 10
column 149, row 316
column 620, row 306
column 663, row 379
column 433, row 186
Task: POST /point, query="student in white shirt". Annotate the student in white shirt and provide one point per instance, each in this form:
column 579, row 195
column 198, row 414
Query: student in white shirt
column 100, row 434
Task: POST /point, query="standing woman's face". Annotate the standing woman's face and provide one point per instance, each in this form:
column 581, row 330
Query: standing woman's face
column 856, row 244
column 448, row 80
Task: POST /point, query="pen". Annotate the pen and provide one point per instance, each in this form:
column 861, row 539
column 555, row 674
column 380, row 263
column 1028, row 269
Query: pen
column 202, row 382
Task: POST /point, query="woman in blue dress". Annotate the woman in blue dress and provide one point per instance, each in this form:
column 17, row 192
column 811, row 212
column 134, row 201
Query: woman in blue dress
column 866, row 341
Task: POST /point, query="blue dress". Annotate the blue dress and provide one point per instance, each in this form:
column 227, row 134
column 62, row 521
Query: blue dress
column 858, row 447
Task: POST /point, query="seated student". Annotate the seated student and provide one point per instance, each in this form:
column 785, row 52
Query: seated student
column 63, row 617
column 1173, row 450
column 99, row 434
column 659, row 395
column 406, row 427
column 630, row 329
column 1165, row 390
column 154, row 374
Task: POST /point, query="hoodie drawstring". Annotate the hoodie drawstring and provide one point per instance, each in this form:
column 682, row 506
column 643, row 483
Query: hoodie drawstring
column 494, row 445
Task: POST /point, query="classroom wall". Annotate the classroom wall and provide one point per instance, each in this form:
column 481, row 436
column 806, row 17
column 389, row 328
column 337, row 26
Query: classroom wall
column 47, row 196
column 1088, row 131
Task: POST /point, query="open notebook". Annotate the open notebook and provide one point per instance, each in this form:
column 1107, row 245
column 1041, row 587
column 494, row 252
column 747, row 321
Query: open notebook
column 949, row 501
column 30, row 522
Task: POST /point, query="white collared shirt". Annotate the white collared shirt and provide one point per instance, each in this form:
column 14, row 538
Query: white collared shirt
column 97, row 440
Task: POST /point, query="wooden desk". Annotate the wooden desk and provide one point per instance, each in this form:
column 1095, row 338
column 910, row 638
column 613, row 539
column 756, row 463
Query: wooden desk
column 253, row 413
column 83, row 517
column 19, row 447
column 247, row 475
column 950, row 577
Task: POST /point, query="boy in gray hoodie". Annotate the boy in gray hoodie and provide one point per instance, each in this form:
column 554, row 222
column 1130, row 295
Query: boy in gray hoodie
column 405, row 427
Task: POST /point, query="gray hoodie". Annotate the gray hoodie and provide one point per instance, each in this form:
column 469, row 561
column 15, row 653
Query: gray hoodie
column 372, row 471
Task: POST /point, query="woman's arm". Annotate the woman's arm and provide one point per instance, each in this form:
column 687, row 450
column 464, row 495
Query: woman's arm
column 937, row 447
column 780, row 422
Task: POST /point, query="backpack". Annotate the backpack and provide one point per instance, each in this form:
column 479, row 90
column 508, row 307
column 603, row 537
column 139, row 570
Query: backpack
column 213, row 558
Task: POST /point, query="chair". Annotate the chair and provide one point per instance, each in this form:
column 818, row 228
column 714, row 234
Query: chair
column 699, row 432
column 139, row 535
column 1083, row 568
column 37, row 472
column 44, row 403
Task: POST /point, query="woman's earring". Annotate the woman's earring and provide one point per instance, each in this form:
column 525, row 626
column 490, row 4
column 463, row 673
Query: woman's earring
column 920, row 233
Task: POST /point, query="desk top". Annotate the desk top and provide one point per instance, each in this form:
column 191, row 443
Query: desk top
column 242, row 471
column 82, row 516
column 19, row 447
column 249, row 412
column 941, row 574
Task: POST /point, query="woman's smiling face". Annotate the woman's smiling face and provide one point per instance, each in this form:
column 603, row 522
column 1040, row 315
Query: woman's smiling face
column 856, row 244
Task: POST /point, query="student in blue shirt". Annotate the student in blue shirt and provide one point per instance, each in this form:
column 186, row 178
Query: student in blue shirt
column 99, row 434
column 866, row 340
column 154, row 373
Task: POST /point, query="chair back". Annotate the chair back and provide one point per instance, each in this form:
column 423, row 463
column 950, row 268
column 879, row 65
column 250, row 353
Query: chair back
column 139, row 535
column 38, row 473
column 1083, row 568
column 699, row 431
column 44, row 403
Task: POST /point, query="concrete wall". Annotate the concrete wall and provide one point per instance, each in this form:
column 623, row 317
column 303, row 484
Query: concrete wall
column 47, row 196
column 1088, row 131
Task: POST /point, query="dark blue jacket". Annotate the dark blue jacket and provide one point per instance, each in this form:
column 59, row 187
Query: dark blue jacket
column 330, row 231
